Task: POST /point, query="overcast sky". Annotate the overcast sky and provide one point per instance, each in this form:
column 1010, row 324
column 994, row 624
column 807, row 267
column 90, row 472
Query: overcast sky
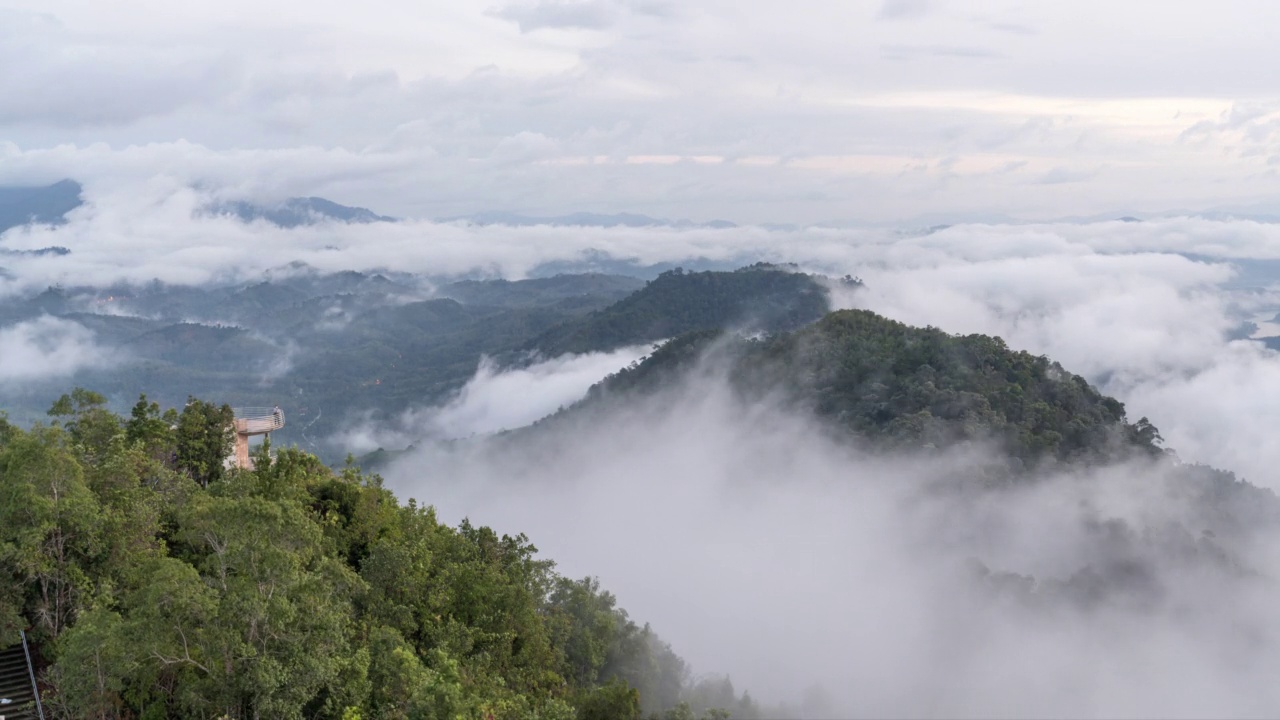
column 817, row 111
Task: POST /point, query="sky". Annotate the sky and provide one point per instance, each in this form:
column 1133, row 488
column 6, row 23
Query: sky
column 863, row 111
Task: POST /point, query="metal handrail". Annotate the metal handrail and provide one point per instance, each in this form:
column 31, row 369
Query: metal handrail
column 31, row 671
column 252, row 413
column 255, row 421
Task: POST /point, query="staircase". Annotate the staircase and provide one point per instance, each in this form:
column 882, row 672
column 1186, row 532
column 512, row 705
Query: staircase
column 17, row 695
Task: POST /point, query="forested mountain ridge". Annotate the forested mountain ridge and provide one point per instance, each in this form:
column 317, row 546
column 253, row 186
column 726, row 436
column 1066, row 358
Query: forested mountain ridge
column 903, row 387
column 299, row 211
column 330, row 345
column 758, row 297
column 155, row 583
column 902, row 392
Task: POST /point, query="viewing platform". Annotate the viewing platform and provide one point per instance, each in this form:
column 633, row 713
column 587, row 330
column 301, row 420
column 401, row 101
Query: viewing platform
column 250, row 421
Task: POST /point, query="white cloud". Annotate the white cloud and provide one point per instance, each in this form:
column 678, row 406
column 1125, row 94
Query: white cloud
column 762, row 548
column 1111, row 300
column 894, row 9
column 909, row 108
column 497, row 399
column 494, row 399
column 559, row 14
column 46, row 348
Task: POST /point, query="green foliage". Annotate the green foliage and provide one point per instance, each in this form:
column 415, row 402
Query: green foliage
column 50, row 530
column 204, row 439
column 916, row 387
column 614, row 701
column 900, row 387
column 87, row 419
column 148, row 426
column 156, row 587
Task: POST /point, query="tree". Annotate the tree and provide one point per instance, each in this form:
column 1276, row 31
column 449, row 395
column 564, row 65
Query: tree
column 88, row 421
column 156, row 586
column 94, row 660
column 151, row 428
column 205, row 438
column 50, row 528
column 613, row 701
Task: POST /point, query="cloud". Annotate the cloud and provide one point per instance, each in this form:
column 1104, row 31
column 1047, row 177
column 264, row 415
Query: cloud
column 589, row 15
column 763, row 548
column 70, row 80
column 1121, row 303
column 1060, row 174
column 494, row 399
column 436, row 100
column 485, row 404
column 1013, row 28
column 47, row 348
column 900, row 9
column 911, row 52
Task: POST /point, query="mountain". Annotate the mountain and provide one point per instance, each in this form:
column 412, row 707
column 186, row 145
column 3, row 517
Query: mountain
column 585, row 219
column 760, row 297
column 47, row 204
column 604, row 262
column 330, row 345
column 899, row 387
column 295, row 212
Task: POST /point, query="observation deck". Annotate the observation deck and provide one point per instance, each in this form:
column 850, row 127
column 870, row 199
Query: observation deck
column 250, row 421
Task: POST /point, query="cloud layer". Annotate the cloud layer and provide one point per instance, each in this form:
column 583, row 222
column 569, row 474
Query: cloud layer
column 494, row 400
column 763, row 549
column 870, row 110
column 1144, row 310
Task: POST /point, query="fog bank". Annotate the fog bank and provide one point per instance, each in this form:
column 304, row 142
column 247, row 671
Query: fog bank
column 764, row 548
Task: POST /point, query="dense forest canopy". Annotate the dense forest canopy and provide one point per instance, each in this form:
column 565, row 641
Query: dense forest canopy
column 901, row 387
column 155, row 583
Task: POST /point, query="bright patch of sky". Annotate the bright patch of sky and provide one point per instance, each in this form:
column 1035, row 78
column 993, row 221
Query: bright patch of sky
column 755, row 112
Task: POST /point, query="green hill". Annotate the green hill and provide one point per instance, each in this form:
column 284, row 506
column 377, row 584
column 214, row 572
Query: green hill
column 903, row 387
column 759, row 297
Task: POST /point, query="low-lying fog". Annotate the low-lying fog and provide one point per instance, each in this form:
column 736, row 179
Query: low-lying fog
column 763, row 548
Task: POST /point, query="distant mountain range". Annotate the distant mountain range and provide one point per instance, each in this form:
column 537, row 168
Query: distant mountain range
column 44, row 204
column 296, row 212
column 344, row 343
column 23, row 205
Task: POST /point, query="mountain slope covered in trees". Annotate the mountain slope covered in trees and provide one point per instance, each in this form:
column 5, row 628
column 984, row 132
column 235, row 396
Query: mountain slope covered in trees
column 327, row 346
column 759, row 297
column 901, row 392
column 155, row 583
column 902, row 387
